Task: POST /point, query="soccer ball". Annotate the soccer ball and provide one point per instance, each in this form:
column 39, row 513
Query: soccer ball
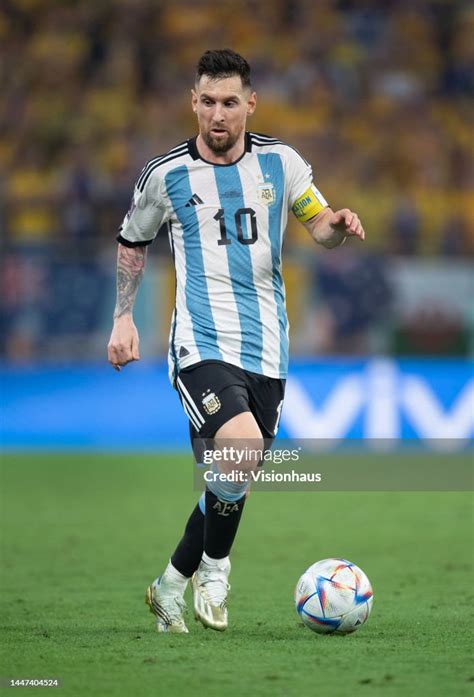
column 333, row 596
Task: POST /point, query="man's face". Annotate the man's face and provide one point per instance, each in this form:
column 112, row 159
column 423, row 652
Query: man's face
column 222, row 107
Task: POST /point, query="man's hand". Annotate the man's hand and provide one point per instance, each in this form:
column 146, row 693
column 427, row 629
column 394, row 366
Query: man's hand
column 124, row 341
column 347, row 222
column 123, row 344
column 331, row 228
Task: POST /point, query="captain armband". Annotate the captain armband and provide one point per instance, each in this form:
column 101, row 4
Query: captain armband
column 309, row 204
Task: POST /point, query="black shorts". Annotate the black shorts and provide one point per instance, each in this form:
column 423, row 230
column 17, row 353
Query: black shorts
column 212, row 392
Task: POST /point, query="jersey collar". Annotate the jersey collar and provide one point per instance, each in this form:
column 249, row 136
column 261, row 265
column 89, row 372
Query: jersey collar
column 193, row 151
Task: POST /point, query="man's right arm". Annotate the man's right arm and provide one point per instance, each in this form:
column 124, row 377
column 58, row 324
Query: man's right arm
column 147, row 213
column 123, row 345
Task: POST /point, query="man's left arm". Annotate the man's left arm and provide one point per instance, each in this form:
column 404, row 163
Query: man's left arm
column 330, row 228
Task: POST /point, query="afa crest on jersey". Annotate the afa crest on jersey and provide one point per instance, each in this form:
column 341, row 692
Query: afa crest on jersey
column 211, row 403
column 266, row 193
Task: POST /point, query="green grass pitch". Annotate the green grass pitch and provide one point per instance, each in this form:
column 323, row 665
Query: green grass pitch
column 83, row 535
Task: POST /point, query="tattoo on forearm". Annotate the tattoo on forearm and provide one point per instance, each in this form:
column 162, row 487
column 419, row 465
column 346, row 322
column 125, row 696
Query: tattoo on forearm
column 130, row 269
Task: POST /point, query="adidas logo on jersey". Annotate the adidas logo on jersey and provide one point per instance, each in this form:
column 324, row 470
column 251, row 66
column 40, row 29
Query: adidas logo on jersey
column 194, row 200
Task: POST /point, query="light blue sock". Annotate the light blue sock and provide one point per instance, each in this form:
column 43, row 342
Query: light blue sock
column 226, row 491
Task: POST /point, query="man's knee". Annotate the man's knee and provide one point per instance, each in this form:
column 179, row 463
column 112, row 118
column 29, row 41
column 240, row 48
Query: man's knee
column 239, row 444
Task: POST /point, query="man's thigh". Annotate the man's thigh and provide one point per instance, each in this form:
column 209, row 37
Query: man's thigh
column 212, row 393
column 266, row 401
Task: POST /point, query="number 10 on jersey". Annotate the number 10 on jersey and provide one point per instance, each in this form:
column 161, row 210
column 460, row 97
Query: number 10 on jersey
column 241, row 214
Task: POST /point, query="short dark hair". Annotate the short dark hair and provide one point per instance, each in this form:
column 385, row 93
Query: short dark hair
column 222, row 63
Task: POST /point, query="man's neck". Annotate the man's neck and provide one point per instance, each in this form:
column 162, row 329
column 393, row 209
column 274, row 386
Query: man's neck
column 224, row 158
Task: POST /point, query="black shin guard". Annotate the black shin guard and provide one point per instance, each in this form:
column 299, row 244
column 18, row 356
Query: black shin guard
column 188, row 553
column 220, row 525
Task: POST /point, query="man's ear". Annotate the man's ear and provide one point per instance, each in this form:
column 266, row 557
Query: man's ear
column 251, row 103
column 194, row 100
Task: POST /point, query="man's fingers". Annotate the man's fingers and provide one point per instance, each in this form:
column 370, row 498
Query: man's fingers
column 357, row 231
column 119, row 355
column 111, row 354
column 348, row 222
column 347, row 218
column 351, row 222
column 123, row 345
column 337, row 218
column 113, row 358
column 135, row 349
column 353, row 225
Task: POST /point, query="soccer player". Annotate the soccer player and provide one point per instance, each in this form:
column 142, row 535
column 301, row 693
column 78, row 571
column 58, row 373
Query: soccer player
column 224, row 195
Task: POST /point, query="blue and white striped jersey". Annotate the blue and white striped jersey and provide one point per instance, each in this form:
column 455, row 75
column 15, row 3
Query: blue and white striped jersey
column 226, row 227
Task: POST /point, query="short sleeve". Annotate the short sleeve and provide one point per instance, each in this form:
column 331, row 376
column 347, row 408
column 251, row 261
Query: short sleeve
column 146, row 214
column 304, row 199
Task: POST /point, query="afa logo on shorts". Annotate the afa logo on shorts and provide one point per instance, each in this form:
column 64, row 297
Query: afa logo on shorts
column 211, row 403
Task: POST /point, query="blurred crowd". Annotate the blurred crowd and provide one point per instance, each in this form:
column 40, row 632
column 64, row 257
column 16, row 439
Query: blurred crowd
column 378, row 96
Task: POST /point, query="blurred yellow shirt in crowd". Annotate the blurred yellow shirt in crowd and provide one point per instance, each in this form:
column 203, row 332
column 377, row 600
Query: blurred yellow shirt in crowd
column 31, row 212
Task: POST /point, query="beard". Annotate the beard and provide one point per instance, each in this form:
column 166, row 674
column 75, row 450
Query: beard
column 220, row 145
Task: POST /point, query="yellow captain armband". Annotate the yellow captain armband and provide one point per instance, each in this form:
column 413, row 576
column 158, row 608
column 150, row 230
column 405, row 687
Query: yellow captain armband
column 309, row 204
